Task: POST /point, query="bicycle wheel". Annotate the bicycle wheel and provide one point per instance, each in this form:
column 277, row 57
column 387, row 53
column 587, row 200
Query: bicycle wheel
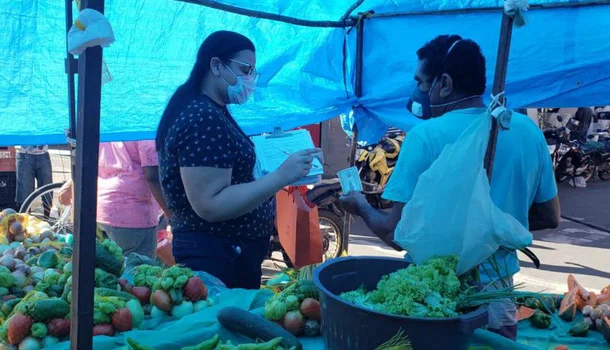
column 43, row 204
column 331, row 227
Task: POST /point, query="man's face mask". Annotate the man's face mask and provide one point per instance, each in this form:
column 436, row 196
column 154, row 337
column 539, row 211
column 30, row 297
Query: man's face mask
column 419, row 104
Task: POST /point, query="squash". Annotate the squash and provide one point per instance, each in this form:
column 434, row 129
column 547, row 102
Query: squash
column 584, row 297
column 568, row 307
column 524, row 312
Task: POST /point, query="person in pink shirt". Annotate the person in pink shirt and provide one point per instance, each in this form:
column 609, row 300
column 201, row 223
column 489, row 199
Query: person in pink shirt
column 129, row 195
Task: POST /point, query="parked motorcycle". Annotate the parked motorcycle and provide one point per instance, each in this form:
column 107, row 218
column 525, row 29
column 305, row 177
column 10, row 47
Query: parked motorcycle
column 569, row 158
column 334, row 238
column 600, row 153
column 376, row 164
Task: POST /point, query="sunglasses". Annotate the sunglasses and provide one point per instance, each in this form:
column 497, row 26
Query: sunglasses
column 251, row 70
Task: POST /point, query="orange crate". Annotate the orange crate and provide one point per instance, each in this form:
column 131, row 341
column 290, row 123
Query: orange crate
column 7, row 159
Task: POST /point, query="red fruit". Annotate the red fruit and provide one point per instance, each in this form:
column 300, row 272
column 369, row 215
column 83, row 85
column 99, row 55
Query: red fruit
column 161, row 300
column 310, row 308
column 142, row 293
column 294, row 322
column 121, row 320
column 125, row 286
column 103, row 329
column 18, row 328
column 16, row 228
column 59, row 327
column 8, row 297
column 195, row 290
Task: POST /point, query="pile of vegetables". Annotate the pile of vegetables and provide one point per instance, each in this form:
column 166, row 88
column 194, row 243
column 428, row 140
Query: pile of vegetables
column 35, row 321
column 175, row 291
column 431, row 290
column 35, row 285
column 296, row 308
column 586, row 310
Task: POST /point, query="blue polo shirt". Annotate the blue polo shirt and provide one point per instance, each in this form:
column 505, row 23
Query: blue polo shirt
column 522, row 174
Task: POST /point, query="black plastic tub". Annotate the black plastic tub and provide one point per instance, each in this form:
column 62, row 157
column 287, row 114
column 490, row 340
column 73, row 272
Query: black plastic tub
column 346, row 326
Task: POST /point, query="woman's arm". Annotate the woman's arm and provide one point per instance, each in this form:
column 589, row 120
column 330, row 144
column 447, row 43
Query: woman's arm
column 151, row 173
column 214, row 199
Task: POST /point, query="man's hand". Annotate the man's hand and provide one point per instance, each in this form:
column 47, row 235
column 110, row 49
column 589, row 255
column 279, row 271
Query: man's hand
column 353, row 202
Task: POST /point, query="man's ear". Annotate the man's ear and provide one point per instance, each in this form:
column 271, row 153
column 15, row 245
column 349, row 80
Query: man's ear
column 446, row 85
column 215, row 64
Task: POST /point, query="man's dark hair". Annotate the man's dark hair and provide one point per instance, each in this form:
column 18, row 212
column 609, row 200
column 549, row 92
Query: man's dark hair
column 465, row 63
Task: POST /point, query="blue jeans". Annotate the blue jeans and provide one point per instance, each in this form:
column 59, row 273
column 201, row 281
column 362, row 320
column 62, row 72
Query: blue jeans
column 237, row 263
column 134, row 240
column 33, row 170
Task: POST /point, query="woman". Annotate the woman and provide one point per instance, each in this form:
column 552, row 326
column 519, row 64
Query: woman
column 223, row 217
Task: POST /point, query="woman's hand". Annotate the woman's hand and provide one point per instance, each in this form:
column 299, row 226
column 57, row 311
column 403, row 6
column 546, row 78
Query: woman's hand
column 297, row 166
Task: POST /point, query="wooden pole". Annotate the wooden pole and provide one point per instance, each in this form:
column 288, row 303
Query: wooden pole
column 347, row 22
column 506, row 32
column 85, row 191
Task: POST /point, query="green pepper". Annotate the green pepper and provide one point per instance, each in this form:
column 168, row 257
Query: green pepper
column 534, row 303
column 579, row 329
column 549, row 303
column 270, row 345
column 540, row 320
column 206, row 345
column 135, row 346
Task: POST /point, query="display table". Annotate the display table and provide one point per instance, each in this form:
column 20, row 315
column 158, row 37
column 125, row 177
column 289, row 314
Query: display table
column 173, row 334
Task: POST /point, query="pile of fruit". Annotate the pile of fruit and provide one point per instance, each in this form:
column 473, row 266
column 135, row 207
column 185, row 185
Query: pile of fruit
column 296, row 309
column 174, row 292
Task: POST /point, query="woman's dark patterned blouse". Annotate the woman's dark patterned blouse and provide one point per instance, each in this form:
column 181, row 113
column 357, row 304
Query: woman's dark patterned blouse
column 206, row 135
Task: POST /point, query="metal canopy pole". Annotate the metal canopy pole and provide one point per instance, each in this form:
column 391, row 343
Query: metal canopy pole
column 71, row 68
column 85, row 191
column 358, row 93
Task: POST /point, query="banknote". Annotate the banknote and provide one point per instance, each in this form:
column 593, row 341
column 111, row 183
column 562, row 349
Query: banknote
column 350, row 180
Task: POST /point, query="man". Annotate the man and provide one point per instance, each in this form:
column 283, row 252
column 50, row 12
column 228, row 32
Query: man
column 33, row 170
column 129, row 195
column 585, row 117
column 450, row 81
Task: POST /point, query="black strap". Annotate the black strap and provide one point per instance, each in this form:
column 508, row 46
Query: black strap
column 532, row 256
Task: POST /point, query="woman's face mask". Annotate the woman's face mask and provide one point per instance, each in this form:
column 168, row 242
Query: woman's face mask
column 244, row 87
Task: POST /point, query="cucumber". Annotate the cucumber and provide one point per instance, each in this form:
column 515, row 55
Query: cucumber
column 107, row 292
column 256, row 327
column 47, row 309
column 106, row 261
column 9, row 305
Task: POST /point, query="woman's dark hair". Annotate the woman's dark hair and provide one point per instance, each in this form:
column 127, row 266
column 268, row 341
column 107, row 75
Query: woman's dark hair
column 222, row 44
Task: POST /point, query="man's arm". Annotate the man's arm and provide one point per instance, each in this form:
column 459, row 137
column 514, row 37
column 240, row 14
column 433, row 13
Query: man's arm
column 151, row 173
column 382, row 223
column 545, row 215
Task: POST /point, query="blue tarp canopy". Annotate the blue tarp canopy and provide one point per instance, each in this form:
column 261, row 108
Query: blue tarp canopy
column 559, row 59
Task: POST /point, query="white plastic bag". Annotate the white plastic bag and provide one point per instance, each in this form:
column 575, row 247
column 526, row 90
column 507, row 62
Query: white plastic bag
column 451, row 212
column 89, row 30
